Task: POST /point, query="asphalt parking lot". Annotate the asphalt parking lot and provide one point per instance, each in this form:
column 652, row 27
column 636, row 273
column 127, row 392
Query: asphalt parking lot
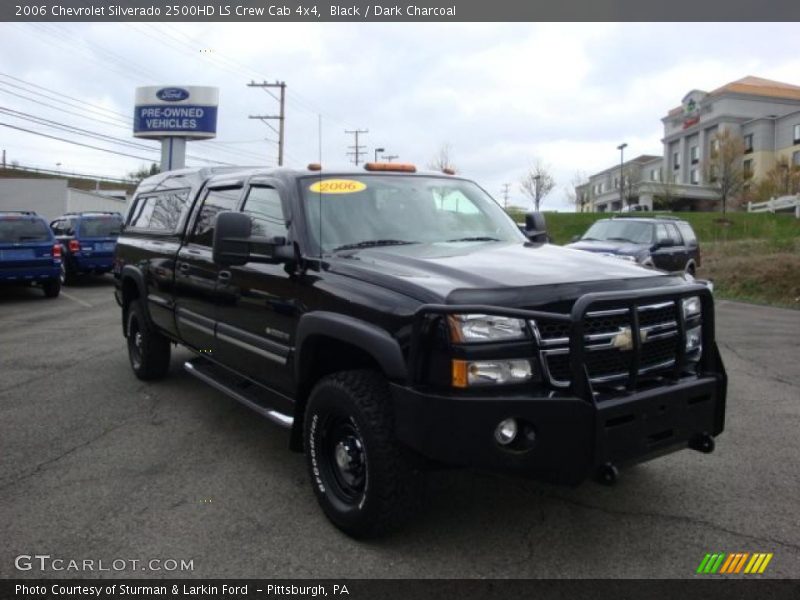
column 95, row 464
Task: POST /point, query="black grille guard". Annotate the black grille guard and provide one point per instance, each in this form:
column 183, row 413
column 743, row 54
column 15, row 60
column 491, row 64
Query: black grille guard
column 580, row 384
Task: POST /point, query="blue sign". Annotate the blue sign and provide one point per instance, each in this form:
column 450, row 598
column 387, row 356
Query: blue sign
column 178, row 120
column 172, row 94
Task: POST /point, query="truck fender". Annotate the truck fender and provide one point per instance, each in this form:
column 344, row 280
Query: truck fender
column 132, row 273
column 368, row 337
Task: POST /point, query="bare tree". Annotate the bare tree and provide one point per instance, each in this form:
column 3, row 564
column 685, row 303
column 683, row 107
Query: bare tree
column 537, row 183
column 575, row 196
column 442, row 159
column 723, row 169
column 631, row 178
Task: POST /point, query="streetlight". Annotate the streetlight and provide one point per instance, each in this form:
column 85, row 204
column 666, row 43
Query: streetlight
column 378, row 150
column 621, row 149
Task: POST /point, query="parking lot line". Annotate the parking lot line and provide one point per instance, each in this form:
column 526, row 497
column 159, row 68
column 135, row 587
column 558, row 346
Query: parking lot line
column 78, row 300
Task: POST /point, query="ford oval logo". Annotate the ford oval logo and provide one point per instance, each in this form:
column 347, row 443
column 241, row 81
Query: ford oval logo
column 172, row 94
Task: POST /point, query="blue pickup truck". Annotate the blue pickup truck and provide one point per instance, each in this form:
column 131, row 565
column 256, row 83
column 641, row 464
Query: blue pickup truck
column 29, row 253
column 87, row 240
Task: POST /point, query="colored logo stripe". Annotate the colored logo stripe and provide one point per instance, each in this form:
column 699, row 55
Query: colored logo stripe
column 734, row 563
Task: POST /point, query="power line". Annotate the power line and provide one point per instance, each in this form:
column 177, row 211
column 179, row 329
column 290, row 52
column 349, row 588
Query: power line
column 356, row 151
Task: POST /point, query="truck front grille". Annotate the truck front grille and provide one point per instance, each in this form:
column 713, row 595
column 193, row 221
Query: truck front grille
column 607, row 353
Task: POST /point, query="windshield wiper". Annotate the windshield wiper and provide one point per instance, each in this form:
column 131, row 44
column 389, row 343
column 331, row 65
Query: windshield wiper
column 478, row 238
column 373, row 244
column 588, row 239
column 619, row 239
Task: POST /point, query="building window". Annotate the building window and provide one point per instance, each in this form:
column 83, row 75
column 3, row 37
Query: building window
column 712, row 173
column 676, row 161
column 796, row 158
column 748, row 143
column 714, row 147
column 694, row 152
column 694, row 176
column 748, row 169
column 616, row 183
column 655, row 175
column 797, row 133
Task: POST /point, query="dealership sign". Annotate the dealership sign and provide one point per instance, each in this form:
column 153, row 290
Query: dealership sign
column 176, row 111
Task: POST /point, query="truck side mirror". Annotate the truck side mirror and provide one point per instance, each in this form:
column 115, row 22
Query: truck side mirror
column 235, row 245
column 231, row 245
column 535, row 227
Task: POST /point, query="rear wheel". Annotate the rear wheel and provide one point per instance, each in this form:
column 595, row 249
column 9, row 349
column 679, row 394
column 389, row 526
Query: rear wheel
column 691, row 269
column 52, row 288
column 148, row 350
column 68, row 276
column 364, row 480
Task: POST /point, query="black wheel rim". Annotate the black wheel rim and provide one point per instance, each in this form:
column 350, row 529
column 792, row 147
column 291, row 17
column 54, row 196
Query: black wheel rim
column 343, row 460
column 135, row 343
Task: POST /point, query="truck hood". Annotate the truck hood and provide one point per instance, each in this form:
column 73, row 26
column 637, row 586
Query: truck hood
column 432, row 272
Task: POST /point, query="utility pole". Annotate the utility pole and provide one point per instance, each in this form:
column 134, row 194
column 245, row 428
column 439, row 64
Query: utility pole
column 357, row 151
column 505, row 194
column 621, row 149
column 280, row 117
column 537, row 179
column 4, row 158
column 390, row 157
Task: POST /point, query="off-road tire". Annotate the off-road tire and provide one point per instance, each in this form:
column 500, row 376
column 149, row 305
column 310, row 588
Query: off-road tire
column 51, row 288
column 148, row 350
column 393, row 482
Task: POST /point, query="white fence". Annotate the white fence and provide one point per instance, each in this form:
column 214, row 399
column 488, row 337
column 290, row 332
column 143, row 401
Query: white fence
column 775, row 204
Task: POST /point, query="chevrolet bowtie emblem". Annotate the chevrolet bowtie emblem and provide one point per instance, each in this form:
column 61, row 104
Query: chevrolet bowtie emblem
column 624, row 339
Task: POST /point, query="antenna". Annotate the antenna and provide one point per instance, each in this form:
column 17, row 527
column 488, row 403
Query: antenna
column 319, row 193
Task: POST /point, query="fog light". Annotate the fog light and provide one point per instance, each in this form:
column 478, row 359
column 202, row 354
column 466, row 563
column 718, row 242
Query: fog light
column 506, row 432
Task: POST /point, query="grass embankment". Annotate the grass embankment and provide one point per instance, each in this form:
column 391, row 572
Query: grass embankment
column 750, row 257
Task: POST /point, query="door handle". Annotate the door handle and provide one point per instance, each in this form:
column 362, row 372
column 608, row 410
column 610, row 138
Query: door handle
column 183, row 267
column 224, row 275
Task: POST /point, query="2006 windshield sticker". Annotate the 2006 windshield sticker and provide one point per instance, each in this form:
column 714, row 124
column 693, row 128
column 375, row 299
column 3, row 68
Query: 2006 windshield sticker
column 338, row 186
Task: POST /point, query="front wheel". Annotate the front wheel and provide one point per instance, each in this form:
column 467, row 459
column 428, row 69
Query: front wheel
column 365, row 481
column 148, row 350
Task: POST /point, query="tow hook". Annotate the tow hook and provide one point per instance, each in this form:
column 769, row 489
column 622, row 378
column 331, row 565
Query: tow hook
column 607, row 474
column 702, row 443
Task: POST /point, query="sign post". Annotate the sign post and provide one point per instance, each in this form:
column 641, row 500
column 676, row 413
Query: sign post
column 175, row 115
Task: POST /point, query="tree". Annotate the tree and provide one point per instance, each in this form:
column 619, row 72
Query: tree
column 723, row 169
column 442, row 159
column 781, row 180
column 143, row 172
column 631, row 178
column 537, row 183
column 667, row 192
column 575, row 196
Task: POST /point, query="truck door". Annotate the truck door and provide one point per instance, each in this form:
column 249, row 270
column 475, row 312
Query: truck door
column 196, row 273
column 260, row 304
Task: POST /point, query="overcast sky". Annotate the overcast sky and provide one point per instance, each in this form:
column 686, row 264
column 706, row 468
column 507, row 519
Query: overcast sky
column 501, row 95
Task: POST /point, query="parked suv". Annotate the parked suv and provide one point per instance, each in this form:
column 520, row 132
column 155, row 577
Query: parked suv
column 394, row 320
column 29, row 254
column 666, row 243
column 88, row 240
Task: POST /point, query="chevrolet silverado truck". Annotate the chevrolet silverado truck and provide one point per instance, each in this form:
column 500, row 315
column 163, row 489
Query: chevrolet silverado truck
column 396, row 321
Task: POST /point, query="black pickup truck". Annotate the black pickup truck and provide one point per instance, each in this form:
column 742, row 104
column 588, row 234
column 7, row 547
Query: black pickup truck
column 396, row 320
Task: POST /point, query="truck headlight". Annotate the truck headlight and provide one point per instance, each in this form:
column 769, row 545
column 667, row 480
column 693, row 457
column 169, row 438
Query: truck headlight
column 469, row 373
column 692, row 307
column 485, row 328
column 694, row 339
